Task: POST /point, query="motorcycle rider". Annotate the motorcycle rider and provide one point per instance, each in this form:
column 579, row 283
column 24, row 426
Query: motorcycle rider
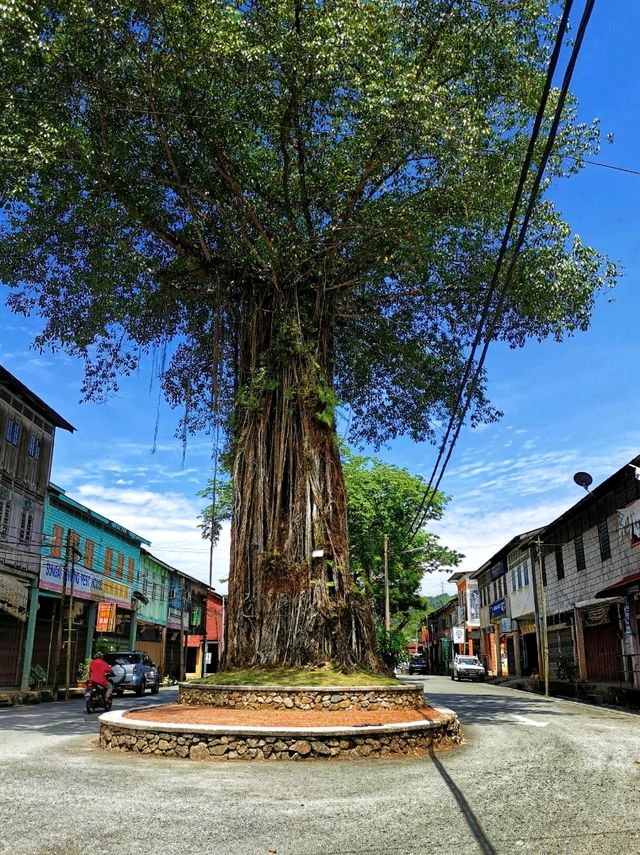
column 99, row 672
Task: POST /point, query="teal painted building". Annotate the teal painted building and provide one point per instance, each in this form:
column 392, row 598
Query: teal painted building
column 153, row 586
column 88, row 586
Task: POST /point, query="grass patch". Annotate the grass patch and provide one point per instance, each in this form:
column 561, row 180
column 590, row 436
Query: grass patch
column 296, row 677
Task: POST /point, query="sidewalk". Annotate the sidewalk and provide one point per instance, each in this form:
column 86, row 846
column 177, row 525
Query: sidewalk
column 11, row 696
column 618, row 695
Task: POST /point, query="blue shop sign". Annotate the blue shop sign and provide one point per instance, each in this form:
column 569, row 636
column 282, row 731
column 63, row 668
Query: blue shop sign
column 498, row 569
column 498, row 608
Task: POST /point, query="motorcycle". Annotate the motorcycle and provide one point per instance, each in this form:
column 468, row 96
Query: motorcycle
column 95, row 697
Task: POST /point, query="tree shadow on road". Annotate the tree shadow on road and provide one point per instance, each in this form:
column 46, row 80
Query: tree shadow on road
column 494, row 709
column 67, row 718
column 472, row 821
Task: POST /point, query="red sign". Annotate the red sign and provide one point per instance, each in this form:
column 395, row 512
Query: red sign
column 106, row 620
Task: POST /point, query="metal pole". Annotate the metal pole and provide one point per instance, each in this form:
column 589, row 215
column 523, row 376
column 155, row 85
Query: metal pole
column 387, row 609
column 543, row 606
column 70, row 623
column 58, row 648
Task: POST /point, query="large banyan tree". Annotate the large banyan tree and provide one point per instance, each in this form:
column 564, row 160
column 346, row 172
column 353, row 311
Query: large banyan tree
column 293, row 204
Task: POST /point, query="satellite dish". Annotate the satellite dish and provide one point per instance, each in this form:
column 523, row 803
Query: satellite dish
column 583, row 479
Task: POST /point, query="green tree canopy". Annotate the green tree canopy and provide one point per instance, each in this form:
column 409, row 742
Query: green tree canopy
column 383, row 499
column 166, row 166
column 219, row 495
column 293, row 203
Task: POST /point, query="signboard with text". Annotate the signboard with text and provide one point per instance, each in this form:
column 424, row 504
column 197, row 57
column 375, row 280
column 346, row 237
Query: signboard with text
column 498, row 609
column 87, row 585
column 106, row 618
column 458, row 635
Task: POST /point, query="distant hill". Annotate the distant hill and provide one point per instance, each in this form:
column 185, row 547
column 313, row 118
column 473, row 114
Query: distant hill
column 437, row 602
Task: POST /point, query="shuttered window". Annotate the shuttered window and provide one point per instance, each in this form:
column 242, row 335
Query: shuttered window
column 26, row 527
column 579, row 548
column 5, row 511
column 89, row 550
column 13, row 432
column 56, row 544
column 603, row 538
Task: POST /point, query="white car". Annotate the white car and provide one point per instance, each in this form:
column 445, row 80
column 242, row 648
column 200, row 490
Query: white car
column 467, row 667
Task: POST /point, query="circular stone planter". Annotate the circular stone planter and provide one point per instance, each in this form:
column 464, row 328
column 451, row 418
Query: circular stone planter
column 227, row 742
column 330, row 698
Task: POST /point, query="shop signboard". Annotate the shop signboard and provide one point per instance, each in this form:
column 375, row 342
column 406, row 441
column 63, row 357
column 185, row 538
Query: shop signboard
column 87, row 585
column 498, row 569
column 474, row 605
column 498, row 609
column 106, row 618
column 176, row 618
column 458, row 635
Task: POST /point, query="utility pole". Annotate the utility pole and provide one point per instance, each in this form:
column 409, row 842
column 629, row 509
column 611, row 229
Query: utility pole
column 543, row 609
column 63, row 592
column 75, row 553
column 387, row 609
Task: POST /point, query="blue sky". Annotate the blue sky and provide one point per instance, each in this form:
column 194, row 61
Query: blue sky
column 566, row 407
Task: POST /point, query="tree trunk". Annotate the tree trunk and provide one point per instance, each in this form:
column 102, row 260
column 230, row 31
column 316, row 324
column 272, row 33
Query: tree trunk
column 292, row 600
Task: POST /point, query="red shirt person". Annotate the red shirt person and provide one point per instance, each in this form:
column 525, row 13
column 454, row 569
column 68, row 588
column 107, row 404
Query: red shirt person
column 99, row 671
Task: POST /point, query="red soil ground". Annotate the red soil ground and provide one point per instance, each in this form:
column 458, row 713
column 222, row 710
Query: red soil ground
column 266, row 717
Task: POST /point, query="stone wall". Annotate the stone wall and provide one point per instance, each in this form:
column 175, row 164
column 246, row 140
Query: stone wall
column 203, row 746
column 303, row 698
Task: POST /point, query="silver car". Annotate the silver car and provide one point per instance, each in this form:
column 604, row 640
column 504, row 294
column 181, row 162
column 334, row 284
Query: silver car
column 467, row 667
column 133, row 670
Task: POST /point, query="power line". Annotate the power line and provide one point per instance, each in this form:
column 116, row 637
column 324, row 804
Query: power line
column 468, row 384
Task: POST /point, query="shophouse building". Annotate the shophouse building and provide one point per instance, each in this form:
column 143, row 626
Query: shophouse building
column 214, row 635
column 439, row 648
column 88, row 587
column 507, row 595
column 467, row 620
column 27, row 434
column 152, row 607
column 186, row 621
column 590, row 568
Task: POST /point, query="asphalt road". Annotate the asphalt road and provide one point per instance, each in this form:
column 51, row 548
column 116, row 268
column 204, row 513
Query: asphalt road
column 533, row 776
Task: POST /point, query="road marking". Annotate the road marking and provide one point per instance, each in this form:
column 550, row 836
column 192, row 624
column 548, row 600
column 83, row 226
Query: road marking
column 524, row 720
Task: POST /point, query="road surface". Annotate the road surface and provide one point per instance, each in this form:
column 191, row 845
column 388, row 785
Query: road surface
column 534, row 776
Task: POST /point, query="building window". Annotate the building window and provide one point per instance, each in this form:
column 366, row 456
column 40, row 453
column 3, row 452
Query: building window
column 579, row 548
column 108, row 561
column 544, row 572
column 5, row 510
column 131, row 570
column 603, row 537
column 120, row 567
column 89, row 551
column 26, row 526
column 56, row 541
column 74, row 545
column 559, row 563
column 34, row 447
column 13, row 432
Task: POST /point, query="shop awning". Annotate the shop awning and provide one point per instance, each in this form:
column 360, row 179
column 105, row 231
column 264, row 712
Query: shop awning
column 618, row 589
column 14, row 596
